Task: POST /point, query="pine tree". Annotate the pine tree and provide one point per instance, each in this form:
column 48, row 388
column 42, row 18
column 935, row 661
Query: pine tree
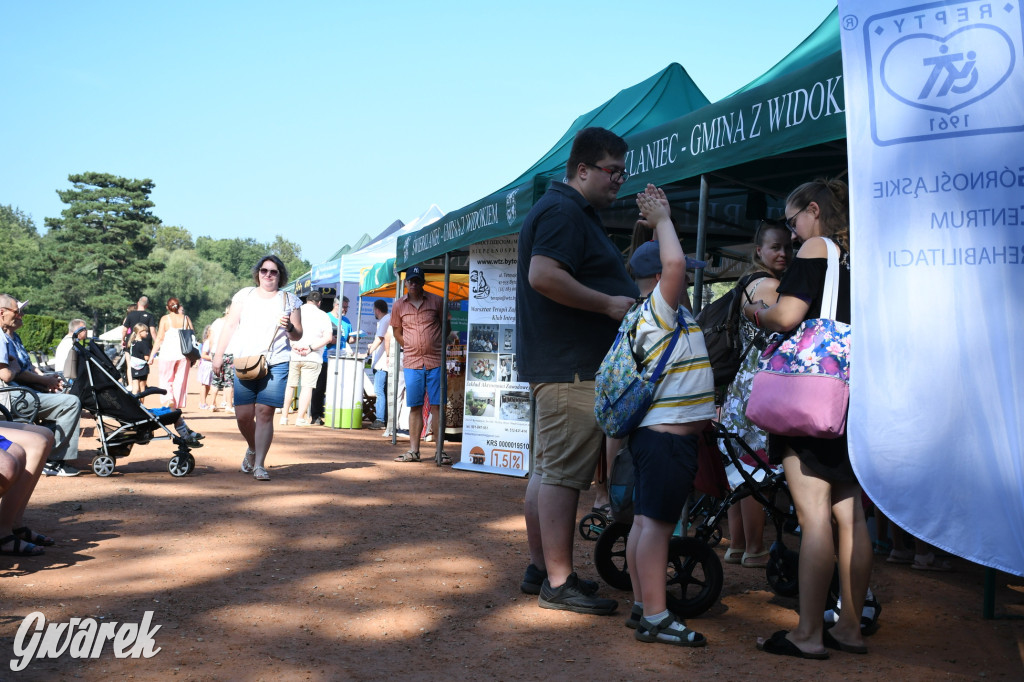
column 100, row 246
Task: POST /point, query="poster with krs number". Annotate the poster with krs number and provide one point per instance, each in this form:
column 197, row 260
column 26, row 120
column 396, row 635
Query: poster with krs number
column 496, row 419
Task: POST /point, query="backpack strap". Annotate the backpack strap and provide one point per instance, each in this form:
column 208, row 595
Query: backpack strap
column 660, row 367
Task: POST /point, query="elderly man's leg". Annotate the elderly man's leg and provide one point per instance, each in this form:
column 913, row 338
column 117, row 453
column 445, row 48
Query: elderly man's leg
column 64, row 411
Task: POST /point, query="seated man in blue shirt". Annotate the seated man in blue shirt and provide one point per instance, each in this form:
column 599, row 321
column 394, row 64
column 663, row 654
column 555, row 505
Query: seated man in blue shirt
column 60, row 408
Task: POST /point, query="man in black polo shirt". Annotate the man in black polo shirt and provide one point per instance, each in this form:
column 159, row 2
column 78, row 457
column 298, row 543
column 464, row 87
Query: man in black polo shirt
column 140, row 314
column 572, row 292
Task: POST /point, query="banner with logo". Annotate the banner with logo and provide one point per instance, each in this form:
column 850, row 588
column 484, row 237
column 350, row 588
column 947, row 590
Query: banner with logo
column 935, row 124
column 496, row 419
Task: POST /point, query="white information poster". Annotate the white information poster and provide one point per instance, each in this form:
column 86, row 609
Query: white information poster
column 935, row 125
column 496, row 421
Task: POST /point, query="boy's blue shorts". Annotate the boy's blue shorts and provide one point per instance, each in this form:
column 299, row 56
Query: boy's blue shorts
column 664, row 465
column 419, row 380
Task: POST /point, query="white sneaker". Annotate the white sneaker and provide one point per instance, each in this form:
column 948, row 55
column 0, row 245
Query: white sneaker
column 284, row 421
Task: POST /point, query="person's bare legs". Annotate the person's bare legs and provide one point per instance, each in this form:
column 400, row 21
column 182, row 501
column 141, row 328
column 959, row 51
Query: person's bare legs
column 415, row 426
column 34, row 446
column 305, row 396
column 556, row 518
column 812, row 497
column 647, row 557
column 855, row 557
column 245, row 416
column 263, row 433
column 531, row 510
column 611, row 448
column 289, row 395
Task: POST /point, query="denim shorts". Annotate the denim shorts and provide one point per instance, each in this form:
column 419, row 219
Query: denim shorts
column 266, row 391
column 418, row 381
column 665, row 465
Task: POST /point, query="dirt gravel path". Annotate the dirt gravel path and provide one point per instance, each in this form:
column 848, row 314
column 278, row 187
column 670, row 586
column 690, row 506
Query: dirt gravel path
column 348, row 565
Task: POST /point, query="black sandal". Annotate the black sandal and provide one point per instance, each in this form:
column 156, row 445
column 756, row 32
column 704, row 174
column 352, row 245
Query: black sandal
column 19, row 548
column 26, row 534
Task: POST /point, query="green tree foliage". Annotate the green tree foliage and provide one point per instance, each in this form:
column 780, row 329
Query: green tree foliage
column 237, row 256
column 100, row 247
column 42, row 332
column 20, row 268
column 174, row 238
column 290, row 254
column 203, row 287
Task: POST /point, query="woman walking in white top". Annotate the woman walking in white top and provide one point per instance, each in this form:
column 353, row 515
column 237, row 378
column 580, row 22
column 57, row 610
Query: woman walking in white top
column 262, row 321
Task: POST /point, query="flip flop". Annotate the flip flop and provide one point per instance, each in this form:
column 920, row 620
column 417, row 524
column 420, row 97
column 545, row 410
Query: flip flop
column 832, row 643
column 780, row 646
column 26, row 534
column 750, row 560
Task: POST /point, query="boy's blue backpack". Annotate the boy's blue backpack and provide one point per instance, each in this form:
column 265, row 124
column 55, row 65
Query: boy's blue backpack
column 623, row 394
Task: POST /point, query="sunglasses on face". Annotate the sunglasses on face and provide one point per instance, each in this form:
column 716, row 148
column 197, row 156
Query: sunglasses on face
column 267, row 273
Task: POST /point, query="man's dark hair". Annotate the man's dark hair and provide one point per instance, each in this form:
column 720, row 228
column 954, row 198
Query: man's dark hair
column 344, row 299
column 314, row 297
column 591, row 145
column 381, row 305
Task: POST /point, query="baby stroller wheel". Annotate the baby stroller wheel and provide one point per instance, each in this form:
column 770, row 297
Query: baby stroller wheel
column 782, row 570
column 695, row 577
column 592, row 525
column 181, row 465
column 610, row 556
column 103, row 465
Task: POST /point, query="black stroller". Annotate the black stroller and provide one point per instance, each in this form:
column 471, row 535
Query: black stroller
column 695, row 575
column 121, row 419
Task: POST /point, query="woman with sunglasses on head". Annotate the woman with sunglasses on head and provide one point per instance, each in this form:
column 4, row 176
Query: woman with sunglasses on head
column 264, row 321
column 773, row 251
column 818, row 471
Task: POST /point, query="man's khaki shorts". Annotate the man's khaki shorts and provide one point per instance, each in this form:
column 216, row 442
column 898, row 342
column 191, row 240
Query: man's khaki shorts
column 304, row 372
column 568, row 440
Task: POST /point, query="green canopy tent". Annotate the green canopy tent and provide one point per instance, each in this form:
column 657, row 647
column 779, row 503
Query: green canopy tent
column 730, row 163
column 647, row 104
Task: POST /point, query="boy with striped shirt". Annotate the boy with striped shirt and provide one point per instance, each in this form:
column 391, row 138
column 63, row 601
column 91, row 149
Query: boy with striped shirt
column 664, row 446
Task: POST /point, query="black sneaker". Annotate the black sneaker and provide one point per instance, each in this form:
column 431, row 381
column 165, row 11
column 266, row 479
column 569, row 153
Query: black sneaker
column 59, row 469
column 377, row 425
column 569, row 597
column 534, row 578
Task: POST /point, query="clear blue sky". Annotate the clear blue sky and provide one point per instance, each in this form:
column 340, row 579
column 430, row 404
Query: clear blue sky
column 322, row 121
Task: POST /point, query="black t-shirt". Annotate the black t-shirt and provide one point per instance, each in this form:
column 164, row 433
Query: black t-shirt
column 805, row 279
column 555, row 342
column 136, row 316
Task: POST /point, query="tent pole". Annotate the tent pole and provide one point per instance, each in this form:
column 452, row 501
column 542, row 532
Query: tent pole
column 396, row 365
column 442, row 410
column 335, row 422
column 360, row 369
column 702, row 226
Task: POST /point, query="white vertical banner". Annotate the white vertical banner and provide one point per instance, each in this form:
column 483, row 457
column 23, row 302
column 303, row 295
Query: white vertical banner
column 935, row 133
column 496, row 422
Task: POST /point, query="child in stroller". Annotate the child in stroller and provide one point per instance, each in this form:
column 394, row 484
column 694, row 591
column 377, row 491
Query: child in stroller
column 122, row 421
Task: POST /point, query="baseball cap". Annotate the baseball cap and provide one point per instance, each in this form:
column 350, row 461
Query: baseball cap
column 414, row 271
column 646, row 261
